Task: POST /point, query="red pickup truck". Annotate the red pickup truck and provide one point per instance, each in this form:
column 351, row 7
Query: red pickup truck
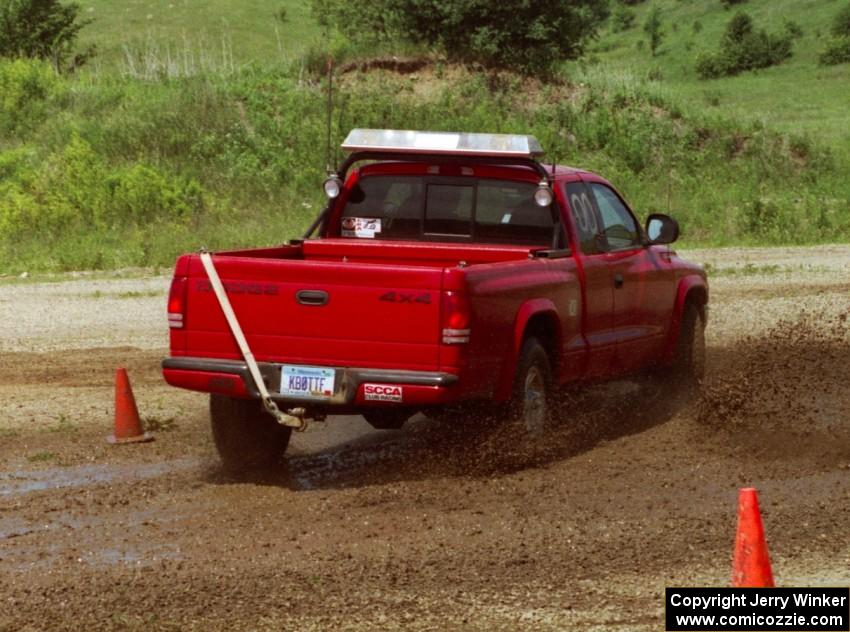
column 448, row 268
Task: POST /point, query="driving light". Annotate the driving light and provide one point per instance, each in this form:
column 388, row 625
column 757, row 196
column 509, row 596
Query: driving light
column 543, row 195
column 333, row 186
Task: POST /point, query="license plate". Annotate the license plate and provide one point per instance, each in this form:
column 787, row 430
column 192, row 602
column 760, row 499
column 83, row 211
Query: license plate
column 311, row 382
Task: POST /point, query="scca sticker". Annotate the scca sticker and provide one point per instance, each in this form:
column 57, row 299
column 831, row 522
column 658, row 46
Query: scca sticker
column 383, row 392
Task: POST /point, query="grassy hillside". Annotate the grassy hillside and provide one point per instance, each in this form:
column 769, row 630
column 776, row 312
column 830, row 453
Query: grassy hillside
column 798, row 97
column 214, row 34
column 223, row 144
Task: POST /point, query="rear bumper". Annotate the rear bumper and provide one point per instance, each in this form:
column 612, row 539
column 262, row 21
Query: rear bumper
column 231, row 377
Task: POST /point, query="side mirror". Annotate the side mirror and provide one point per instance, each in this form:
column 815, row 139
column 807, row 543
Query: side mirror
column 661, row 229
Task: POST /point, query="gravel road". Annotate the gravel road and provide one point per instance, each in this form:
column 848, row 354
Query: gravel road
column 434, row 527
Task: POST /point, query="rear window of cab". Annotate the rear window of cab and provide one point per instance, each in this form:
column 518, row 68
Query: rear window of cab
column 448, row 209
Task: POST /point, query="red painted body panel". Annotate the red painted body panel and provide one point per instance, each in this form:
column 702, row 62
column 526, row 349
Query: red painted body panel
column 386, row 305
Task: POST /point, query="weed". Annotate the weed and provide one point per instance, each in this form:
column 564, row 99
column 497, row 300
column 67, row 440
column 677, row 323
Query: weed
column 41, row 457
column 748, row 269
column 139, row 294
column 63, row 424
column 131, row 294
column 159, row 424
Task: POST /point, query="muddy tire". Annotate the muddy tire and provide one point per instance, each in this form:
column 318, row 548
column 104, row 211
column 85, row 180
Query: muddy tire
column 245, row 435
column 387, row 418
column 689, row 360
column 532, row 397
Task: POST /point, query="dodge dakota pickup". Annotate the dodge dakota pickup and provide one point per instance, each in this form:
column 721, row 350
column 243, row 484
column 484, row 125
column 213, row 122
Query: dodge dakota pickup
column 447, row 268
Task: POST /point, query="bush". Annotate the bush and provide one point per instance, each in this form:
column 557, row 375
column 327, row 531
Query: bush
column 744, row 48
column 837, row 52
column 652, row 27
column 24, row 87
column 76, row 191
column 622, row 19
column 44, row 29
column 841, row 22
column 728, row 4
column 512, row 34
column 793, row 29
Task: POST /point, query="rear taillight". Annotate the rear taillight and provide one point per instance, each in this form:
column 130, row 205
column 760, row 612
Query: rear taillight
column 177, row 302
column 455, row 318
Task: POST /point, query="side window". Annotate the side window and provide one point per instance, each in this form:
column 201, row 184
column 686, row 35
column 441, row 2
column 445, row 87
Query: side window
column 618, row 225
column 448, row 209
column 584, row 217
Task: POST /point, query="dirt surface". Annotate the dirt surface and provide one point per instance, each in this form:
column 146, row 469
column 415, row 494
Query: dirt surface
column 441, row 525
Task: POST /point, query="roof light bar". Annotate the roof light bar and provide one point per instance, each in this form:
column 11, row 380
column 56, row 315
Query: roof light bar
column 448, row 143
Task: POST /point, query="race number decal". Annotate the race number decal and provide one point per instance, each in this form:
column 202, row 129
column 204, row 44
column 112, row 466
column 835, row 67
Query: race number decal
column 583, row 213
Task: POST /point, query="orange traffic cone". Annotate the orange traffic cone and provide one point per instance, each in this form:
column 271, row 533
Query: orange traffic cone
column 751, row 566
column 128, row 426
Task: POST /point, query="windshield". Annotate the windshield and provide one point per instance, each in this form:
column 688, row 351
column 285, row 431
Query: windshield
column 435, row 208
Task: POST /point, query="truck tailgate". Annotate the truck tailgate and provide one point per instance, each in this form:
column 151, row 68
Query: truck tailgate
column 328, row 313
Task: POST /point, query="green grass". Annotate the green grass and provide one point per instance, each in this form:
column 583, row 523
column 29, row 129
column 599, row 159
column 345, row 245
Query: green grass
column 91, row 275
column 215, row 34
column 119, row 172
column 798, row 97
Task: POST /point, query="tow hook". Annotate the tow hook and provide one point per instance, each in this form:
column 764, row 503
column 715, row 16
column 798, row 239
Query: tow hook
column 293, row 417
column 299, row 415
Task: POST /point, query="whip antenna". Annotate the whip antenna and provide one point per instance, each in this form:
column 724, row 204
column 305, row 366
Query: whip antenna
column 340, row 121
column 330, row 112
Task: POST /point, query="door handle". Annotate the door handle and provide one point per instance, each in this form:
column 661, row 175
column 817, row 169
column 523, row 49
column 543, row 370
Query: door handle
column 312, row 297
column 618, row 280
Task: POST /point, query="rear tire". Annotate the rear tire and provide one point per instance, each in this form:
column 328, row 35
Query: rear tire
column 387, row 418
column 245, row 435
column 689, row 360
column 532, row 397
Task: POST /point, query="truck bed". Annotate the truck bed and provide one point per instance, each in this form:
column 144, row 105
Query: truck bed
column 382, row 309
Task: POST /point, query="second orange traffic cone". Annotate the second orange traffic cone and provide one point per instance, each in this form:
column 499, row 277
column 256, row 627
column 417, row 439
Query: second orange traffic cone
column 751, row 565
column 128, row 426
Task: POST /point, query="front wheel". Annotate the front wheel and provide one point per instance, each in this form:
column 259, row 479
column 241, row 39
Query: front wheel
column 532, row 396
column 245, row 435
column 689, row 360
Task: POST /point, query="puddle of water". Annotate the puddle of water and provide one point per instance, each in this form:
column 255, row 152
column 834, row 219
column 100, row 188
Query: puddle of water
column 26, row 481
column 13, row 528
column 130, row 555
